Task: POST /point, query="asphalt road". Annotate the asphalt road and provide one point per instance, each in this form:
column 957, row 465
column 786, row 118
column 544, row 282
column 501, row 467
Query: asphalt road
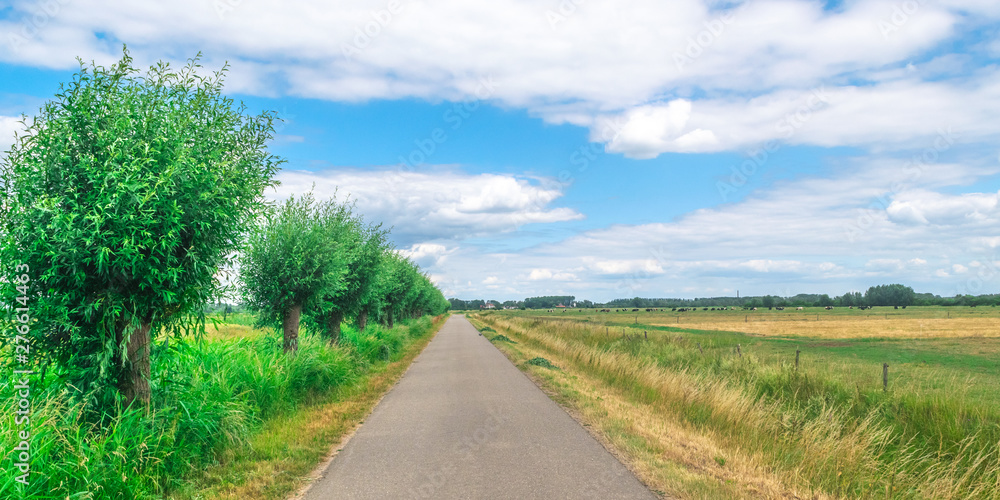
column 465, row 423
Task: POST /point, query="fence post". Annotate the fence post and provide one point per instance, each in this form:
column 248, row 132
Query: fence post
column 797, row 360
column 646, row 336
column 738, row 351
column 700, row 349
column 885, row 377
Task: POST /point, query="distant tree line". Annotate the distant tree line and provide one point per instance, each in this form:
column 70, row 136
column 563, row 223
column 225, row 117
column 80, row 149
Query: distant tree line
column 880, row 295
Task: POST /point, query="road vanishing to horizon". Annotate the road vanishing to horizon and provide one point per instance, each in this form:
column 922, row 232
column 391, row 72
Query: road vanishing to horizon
column 465, row 423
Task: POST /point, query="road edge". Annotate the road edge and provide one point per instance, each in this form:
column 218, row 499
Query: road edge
column 318, row 472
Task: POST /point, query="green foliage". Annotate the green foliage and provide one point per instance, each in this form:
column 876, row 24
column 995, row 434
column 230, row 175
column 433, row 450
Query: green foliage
column 210, row 396
column 889, row 295
column 541, row 362
column 363, row 246
column 124, row 197
column 548, row 302
column 292, row 258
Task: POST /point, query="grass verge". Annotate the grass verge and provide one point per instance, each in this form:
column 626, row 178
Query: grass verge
column 715, row 424
column 288, row 448
column 230, row 413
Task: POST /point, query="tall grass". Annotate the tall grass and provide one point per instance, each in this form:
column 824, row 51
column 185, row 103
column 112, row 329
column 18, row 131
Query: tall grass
column 828, row 431
column 209, row 396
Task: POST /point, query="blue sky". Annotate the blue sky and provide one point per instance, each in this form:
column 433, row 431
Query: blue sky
column 602, row 150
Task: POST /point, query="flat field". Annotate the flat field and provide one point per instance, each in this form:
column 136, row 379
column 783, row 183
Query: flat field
column 727, row 384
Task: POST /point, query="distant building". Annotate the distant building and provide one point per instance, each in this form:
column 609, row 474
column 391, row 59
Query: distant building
column 488, row 306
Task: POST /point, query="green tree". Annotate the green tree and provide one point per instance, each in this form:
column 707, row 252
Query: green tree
column 290, row 260
column 399, row 280
column 122, row 199
column 362, row 246
column 890, row 295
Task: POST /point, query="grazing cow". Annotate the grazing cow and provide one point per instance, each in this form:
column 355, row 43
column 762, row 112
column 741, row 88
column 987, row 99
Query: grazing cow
column 829, row 308
column 800, row 308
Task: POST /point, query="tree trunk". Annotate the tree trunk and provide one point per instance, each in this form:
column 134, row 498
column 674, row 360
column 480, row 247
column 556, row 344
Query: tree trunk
column 290, row 327
column 134, row 381
column 333, row 327
column 362, row 320
column 388, row 320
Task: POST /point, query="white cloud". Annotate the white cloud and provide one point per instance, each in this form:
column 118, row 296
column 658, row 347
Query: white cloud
column 814, row 234
column 445, row 204
column 549, row 275
column 683, row 76
column 428, row 254
column 615, row 267
column 9, row 125
column 927, row 207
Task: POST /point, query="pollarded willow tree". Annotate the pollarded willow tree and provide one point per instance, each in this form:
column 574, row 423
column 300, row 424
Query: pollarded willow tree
column 294, row 257
column 405, row 292
column 124, row 197
column 364, row 246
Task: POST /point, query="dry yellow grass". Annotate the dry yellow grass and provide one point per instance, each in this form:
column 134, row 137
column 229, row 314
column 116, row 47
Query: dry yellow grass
column 847, row 327
column 229, row 331
column 643, row 409
column 669, row 457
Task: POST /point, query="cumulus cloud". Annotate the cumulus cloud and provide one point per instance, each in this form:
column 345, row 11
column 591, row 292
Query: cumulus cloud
column 683, row 76
column 826, row 234
column 549, row 275
column 426, row 206
column 927, row 207
column 618, row 267
column 427, row 254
